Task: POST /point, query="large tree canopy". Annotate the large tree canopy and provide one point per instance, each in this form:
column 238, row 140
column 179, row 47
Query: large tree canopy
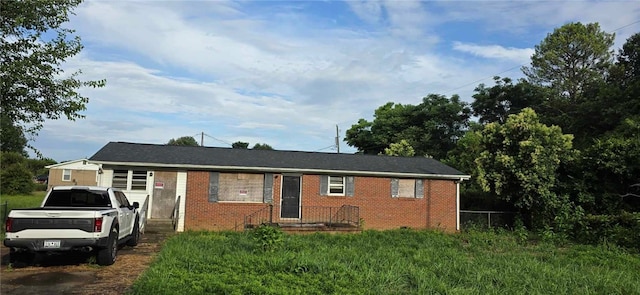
column 571, row 58
column 520, row 160
column 431, row 127
column 33, row 46
column 496, row 103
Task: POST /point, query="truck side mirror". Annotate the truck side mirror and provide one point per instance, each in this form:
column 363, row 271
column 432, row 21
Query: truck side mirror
column 136, row 205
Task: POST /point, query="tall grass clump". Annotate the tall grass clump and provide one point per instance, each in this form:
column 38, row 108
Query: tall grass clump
column 386, row 262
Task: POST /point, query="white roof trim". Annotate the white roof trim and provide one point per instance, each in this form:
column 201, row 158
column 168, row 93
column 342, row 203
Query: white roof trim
column 287, row 170
column 66, row 163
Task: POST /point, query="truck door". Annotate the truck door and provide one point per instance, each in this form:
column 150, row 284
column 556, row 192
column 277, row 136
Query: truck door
column 125, row 215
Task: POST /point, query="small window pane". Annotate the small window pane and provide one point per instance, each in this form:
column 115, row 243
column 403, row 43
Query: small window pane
column 66, row 175
column 336, row 185
column 139, row 180
column 120, row 179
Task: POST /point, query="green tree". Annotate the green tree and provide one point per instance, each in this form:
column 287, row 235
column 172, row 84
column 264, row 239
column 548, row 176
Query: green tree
column 571, row 58
column 496, row 103
column 33, row 45
column 431, row 127
column 240, row 145
column 519, row 163
column 185, row 140
column 36, row 166
column 12, row 138
column 262, row 146
column 400, row 149
column 611, row 166
column 16, row 178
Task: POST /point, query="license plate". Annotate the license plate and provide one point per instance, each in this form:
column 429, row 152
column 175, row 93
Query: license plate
column 52, row 244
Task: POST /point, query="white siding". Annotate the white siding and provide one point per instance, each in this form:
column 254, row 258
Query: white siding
column 105, row 178
column 181, row 190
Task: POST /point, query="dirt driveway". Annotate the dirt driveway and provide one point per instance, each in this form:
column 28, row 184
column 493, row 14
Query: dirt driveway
column 74, row 274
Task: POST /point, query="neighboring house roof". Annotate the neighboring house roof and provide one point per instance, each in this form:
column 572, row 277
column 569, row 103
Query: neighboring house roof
column 80, row 164
column 216, row 158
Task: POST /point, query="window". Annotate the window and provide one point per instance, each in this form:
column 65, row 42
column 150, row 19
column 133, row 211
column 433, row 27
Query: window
column 241, row 187
column 139, row 180
column 122, row 199
column 336, row 186
column 129, row 179
column 407, row 188
column 120, row 179
column 66, row 174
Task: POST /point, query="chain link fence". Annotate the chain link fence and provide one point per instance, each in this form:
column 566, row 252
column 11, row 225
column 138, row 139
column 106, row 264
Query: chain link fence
column 486, row 219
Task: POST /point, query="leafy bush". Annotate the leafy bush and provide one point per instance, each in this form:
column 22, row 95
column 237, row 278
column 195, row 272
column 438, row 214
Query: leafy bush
column 15, row 177
column 40, row 187
column 622, row 230
column 268, row 237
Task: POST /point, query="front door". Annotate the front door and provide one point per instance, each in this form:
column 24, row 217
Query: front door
column 290, row 197
column 164, row 194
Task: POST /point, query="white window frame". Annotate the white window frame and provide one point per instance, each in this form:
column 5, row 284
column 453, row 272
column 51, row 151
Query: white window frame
column 342, row 186
column 65, row 174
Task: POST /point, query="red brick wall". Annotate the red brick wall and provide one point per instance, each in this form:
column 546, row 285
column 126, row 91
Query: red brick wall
column 442, row 204
column 372, row 195
column 200, row 214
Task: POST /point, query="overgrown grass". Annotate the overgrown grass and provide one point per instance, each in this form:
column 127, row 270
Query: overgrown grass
column 389, row 262
column 16, row 202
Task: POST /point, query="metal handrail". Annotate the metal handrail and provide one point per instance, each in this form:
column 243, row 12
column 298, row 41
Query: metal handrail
column 343, row 216
column 176, row 213
column 143, row 214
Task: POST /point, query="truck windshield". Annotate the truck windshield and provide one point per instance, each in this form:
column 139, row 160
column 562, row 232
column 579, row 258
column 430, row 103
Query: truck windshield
column 78, row 198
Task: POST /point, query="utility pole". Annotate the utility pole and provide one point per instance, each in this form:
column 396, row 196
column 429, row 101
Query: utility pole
column 337, row 139
column 202, row 139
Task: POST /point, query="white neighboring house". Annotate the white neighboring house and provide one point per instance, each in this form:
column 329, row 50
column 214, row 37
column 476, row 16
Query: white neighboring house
column 76, row 172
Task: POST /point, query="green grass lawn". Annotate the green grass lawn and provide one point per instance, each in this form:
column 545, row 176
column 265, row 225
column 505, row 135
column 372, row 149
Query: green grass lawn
column 389, row 262
column 18, row 201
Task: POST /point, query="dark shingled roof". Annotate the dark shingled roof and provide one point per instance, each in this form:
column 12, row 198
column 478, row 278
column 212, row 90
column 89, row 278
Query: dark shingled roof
column 273, row 160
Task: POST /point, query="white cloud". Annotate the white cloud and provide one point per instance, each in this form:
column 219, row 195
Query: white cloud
column 274, row 73
column 519, row 55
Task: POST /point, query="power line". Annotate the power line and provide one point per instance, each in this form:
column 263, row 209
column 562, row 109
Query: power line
column 216, row 139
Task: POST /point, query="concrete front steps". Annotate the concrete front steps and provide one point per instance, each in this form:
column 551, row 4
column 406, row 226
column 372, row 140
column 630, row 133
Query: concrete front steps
column 158, row 229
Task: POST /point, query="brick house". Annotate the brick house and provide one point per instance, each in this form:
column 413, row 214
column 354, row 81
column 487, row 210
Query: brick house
column 76, row 172
column 226, row 189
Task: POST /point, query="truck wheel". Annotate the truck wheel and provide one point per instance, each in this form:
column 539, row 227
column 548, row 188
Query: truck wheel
column 107, row 255
column 135, row 235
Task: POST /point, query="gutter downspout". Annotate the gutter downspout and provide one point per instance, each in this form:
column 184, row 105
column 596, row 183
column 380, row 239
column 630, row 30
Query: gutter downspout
column 458, row 203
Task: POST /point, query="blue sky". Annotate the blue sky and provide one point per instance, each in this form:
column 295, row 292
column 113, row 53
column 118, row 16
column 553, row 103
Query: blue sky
column 286, row 73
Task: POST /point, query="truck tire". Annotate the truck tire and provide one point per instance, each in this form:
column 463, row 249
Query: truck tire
column 107, row 255
column 135, row 235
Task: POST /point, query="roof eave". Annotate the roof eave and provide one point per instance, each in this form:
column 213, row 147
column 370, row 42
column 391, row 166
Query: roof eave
column 286, row 170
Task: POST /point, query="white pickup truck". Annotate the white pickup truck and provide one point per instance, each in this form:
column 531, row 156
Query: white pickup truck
column 74, row 218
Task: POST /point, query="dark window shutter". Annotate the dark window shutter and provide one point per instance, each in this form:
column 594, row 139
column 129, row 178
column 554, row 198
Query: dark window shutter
column 324, row 185
column 268, row 188
column 395, row 187
column 350, row 187
column 419, row 188
column 213, row 186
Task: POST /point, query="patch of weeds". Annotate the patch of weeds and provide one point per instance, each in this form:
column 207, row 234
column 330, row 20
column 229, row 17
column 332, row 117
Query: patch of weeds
column 92, row 261
column 268, row 237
